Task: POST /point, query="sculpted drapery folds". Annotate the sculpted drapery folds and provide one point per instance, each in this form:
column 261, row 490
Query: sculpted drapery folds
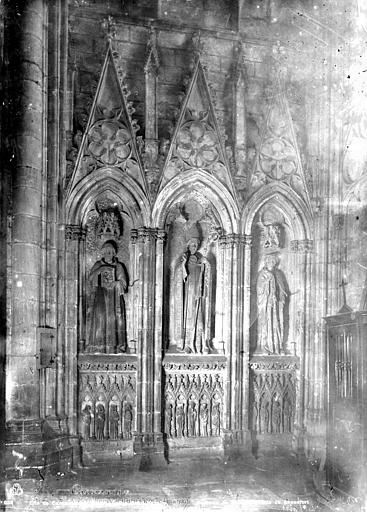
column 193, row 298
column 272, row 292
column 109, row 281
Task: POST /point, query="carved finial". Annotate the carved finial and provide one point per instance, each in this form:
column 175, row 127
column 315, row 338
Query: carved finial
column 239, row 68
column 109, row 26
column 278, row 59
column 197, row 44
column 152, row 61
column 345, row 308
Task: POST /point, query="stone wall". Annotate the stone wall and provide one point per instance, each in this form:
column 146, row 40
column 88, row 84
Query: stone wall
column 269, row 77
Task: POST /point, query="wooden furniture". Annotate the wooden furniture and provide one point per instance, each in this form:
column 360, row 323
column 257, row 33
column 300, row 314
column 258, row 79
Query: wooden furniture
column 347, row 405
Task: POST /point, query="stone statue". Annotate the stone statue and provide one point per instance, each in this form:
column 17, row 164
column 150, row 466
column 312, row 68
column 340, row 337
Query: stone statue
column 255, row 418
column 192, row 419
column 216, row 420
column 108, row 318
column 264, row 417
column 100, row 421
column 287, row 416
column 168, row 420
column 272, row 292
column 87, row 419
column 204, row 420
column 180, row 420
column 128, row 421
column 276, row 417
column 114, row 422
column 193, row 277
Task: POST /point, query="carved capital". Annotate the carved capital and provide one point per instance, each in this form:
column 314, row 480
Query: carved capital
column 74, row 232
column 146, row 235
column 301, row 246
column 246, row 240
column 230, row 240
column 161, row 236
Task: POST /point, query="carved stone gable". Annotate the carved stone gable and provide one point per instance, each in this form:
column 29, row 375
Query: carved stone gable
column 109, row 139
column 278, row 158
column 197, row 140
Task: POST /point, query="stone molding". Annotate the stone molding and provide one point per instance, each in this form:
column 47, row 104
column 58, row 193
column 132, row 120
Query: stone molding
column 188, row 366
column 97, row 366
column 269, row 363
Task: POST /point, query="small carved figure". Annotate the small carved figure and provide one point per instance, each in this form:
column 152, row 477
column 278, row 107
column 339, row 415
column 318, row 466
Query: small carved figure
column 180, row 420
column 271, row 236
column 204, row 420
column 272, row 291
column 100, row 421
column 216, row 420
column 114, row 422
column 287, row 416
column 108, row 318
column 192, row 419
column 255, row 418
column 128, row 420
column 168, row 420
column 277, row 417
column 264, row 417
column 87, row 419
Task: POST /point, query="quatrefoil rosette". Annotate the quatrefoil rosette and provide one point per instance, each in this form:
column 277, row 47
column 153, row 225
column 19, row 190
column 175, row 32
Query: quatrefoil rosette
column 110, row 142
column 278, row 161
column 197, row 145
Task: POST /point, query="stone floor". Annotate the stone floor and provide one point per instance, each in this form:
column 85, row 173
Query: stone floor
column 190, row 484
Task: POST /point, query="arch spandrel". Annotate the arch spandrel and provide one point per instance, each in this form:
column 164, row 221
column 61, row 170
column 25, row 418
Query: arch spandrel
column 197, row 182
column 110, row 180
column 292, row 206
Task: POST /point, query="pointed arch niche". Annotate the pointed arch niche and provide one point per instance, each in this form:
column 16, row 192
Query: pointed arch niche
column 103, row 306
column 198, row 305
column 277, row 277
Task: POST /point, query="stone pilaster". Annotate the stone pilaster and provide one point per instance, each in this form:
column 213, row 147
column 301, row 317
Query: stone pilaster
column 302, row 251
column 147, row 244
column 74, row 250
column 245, row 290
column 158, row 340
column 231, row 246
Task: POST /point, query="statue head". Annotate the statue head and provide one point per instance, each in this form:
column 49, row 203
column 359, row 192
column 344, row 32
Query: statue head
column 109, row 251
column 270, row 262
column 193, row 245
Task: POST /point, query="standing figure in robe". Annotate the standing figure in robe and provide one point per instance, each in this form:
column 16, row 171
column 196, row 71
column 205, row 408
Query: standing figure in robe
column 114, row 422
column 108, row 316
column 272, row 292
column 193, row 277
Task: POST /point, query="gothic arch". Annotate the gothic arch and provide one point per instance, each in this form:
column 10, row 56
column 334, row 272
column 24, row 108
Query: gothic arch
column 290, row 204
column 103, row 180
column 291, row 246
column 203, row 184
